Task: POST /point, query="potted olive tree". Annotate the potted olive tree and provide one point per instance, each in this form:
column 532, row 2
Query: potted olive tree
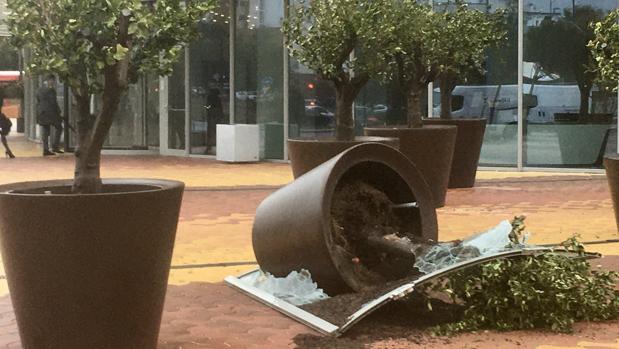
column 465, row 37
column 605, row 49
column 410, row 41
column 87, row 260
column 327, row 36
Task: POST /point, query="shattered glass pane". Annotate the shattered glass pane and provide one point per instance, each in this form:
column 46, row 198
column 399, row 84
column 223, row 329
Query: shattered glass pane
column 445, row 254
column 297, row 288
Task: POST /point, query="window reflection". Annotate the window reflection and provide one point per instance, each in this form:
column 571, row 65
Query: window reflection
column 259, row 72
column 566, row 125
column 494, row 95
column 312, row 104
column 209, row 79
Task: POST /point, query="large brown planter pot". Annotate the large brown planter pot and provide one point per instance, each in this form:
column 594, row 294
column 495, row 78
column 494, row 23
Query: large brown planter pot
column 293, row 228
column 306, row 154
column 431, row 149
column 469, row 140
column 611, row 163
column 89, row 271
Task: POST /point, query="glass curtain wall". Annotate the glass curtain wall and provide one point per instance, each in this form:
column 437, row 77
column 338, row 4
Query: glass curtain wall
column 259, row 80
column 152, row 110
column 311, row 106
column 176, row 106
column 568, row 123
column 209, row 79
column 494, row 95
column 383, row 104
column 127, row 131
column 311, row 101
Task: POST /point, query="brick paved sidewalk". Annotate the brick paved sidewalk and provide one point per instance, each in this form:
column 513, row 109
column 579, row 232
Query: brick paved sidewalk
column 215, row 227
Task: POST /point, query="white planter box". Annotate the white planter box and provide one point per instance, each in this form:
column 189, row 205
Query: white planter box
column 238, row 143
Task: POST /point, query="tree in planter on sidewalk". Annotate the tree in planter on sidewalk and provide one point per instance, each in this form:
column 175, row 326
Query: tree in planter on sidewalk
column 99, row 48
column 465, row 36
column 410, row 43
column 323, row 35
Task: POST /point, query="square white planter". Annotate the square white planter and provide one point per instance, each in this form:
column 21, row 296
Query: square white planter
column 238, row 143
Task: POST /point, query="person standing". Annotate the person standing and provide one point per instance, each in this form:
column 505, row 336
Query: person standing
column 48, row 115
column 214, row 115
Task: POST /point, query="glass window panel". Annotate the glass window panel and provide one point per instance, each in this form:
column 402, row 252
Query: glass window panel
column 311, row 104
column 494, row 95
column 383, row 104
column 176, row 106
column 127, row 129
column 152, row 110
column 259, row 72
column 209, row 66
column 568, row 115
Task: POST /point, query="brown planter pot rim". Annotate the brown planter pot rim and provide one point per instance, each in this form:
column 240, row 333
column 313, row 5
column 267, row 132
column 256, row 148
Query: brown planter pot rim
column 30, row 188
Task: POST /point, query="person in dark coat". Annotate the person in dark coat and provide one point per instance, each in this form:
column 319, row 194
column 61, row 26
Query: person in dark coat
column 215, row 114
column 5, row 129
column 48, row 115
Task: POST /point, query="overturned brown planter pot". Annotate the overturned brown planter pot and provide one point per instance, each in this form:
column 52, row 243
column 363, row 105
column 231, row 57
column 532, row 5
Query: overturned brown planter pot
column 89, row 271
column 431, row 149
column 293, row 226
column 611, row 163
column 467, row 150
column 306, row 154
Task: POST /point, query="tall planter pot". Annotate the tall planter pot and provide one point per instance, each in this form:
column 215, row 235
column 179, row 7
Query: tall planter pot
column 89, row 271
column 306, row 154
column 293, row 227
column 611, row 163
column 431, row 149
column 467, row 150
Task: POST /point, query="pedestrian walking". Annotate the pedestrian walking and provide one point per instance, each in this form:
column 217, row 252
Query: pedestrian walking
column 5, row 128
column 48, row 115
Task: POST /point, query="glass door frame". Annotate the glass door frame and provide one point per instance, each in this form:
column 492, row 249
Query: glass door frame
column 164, row 109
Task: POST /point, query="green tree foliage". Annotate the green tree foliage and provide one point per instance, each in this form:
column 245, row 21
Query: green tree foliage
column 409, row 41
column 323, row 35
column 466, row 35
column 560, row 47
column 100, row 47
column 605, row 48
column 550, row 291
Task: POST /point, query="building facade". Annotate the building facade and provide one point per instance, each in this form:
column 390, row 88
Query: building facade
column 238, row 71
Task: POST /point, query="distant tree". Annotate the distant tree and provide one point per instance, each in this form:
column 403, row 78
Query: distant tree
column 98, row 48
column 560, row 47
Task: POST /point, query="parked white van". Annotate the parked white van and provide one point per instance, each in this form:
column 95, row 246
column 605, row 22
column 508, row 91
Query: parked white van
column 499, row 103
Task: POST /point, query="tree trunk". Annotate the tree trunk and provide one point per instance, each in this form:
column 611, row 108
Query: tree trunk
column 413, row 108
column 344, row 118
column 447, row 85
column 87, row 177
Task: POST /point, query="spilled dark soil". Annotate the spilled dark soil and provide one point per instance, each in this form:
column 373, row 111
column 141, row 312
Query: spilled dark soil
column 369, row 233
column 409, row 319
